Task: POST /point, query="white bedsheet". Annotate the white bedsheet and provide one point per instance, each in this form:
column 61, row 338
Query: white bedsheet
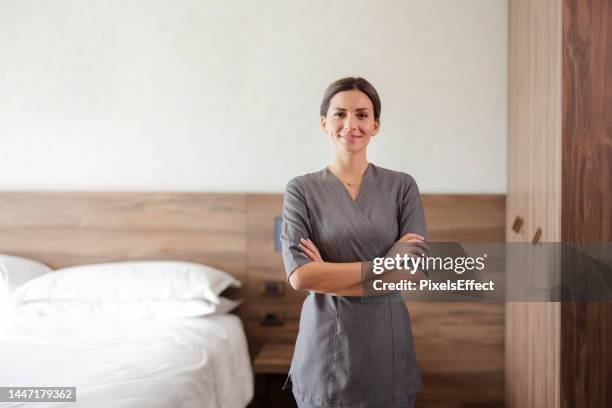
column 197, row 362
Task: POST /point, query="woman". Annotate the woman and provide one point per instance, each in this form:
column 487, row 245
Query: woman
column 351, row 351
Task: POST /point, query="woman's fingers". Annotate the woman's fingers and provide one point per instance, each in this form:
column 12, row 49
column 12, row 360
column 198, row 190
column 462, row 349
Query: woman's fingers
column 314, row 248
column 419, row 248
column 310, row 245
column 308, row 253
column 307, row 243
column 311, row 250
column 411, row 237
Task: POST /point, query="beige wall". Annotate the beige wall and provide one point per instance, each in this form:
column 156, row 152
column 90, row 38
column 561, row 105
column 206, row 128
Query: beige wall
column 223, row 96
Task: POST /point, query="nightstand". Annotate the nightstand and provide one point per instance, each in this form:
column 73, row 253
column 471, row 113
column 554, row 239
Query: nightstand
column 273, row 359
column 271, row 366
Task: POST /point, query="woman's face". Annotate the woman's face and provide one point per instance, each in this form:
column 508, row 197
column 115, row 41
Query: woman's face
column 350, row 121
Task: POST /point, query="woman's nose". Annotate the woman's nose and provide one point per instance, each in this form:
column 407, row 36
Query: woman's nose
column 350, row 122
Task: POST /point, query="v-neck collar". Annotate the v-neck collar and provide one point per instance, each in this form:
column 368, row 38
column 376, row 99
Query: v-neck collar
column 356, row 212
column 339, row 184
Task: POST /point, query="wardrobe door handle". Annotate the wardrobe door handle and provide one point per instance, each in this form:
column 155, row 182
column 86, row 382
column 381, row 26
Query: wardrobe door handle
column 536, row 236
column 517, row 224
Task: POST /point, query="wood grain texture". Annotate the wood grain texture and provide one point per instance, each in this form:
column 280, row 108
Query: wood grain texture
column 534, row 125
column 460, row 350
column 587, row 120
column 586, row 370
column 265, row 264
column 566, row 343
column 534, row 189
column 274, row 358
column 460, row 345
column 465, row 217
column 64, row 229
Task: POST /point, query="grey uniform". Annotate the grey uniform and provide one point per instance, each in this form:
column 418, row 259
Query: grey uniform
column 350, row 352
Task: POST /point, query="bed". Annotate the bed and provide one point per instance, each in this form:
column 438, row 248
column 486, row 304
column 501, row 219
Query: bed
column 113, row 360
column 191, row 362
column 123, row 334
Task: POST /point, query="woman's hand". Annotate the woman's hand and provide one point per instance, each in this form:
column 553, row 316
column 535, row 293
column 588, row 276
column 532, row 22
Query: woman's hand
column 420, row 248
column 311, row 250
column 410, row 237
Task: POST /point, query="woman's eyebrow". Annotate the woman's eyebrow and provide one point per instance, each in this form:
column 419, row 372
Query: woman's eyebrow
column 357, row 110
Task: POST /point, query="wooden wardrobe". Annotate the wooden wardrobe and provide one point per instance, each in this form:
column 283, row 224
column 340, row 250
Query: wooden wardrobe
column 560, row 182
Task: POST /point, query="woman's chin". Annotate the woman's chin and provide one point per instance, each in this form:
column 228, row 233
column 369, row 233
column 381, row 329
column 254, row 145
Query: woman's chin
column 351, row 147
column 348, row 150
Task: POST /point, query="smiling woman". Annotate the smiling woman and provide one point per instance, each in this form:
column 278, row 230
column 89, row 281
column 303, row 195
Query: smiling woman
column 335, row 222
column 350, row 114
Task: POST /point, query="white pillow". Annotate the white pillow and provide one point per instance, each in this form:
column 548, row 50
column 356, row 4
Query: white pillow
column 139, row 280
column 15, row 271
column 145, row 309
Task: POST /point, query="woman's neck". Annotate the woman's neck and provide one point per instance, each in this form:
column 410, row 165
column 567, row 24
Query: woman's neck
column 349, row 167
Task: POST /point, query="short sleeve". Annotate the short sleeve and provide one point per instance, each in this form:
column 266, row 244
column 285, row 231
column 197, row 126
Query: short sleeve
column 295, row 225
column 411, row 215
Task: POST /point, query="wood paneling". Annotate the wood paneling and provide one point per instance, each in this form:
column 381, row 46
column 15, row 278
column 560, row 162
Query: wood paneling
column 265, row 264
column 586, row 369
column 64, row 229
column 534, row 188
column 560, row 167
column 460, row 349
column 534, row 125
column 464, row 217
column 587, row 121
column 459, row 345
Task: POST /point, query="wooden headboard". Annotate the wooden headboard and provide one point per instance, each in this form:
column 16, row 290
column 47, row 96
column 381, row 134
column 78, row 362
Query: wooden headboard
column 64, row 229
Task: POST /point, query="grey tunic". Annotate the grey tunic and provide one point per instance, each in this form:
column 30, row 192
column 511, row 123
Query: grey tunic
column 350, row 352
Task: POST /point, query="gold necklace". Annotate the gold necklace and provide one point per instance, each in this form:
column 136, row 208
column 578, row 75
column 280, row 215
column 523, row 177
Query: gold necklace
column 348, row 183
column 352, row 184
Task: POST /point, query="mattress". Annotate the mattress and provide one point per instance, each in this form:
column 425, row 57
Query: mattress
column 195, row 362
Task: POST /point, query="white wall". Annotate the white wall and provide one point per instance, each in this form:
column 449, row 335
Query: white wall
column 221, row 95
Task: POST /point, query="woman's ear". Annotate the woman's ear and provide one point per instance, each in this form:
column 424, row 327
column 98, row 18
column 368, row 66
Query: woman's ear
column 376, row 127
column 324, row 123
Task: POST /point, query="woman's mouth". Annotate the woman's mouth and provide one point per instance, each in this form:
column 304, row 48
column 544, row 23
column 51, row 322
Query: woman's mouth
column 351, row 138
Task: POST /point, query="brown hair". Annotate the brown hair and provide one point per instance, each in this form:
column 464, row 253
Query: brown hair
column 347, row 84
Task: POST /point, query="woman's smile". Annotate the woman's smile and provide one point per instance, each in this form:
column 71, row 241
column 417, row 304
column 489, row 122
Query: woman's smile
column 350, row 138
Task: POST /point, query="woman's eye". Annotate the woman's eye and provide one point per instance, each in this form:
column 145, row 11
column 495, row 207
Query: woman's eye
column 363, row 115
column 338, row 114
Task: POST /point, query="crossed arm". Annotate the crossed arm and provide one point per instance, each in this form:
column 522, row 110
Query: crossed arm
column 339, row 279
